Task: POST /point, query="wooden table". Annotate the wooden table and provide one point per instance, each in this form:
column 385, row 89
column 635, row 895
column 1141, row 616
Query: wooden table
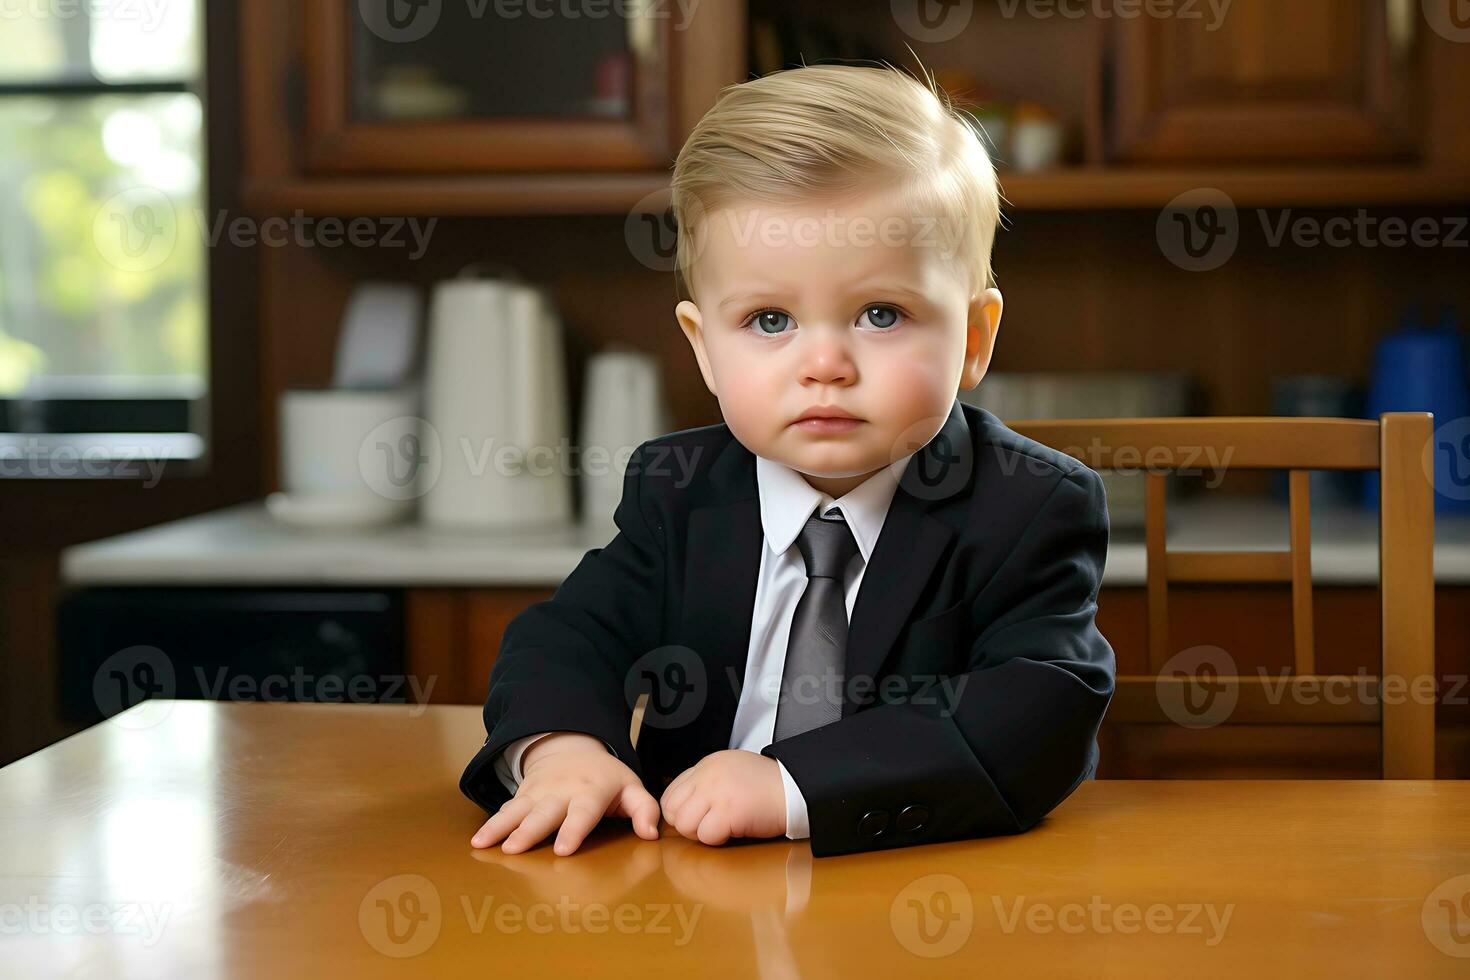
column 197, row 839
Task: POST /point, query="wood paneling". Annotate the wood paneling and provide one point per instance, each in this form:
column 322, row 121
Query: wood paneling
column 453, row 637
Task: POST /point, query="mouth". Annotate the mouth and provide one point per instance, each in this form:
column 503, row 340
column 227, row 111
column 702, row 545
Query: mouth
column 827, row 413
column 827, row 418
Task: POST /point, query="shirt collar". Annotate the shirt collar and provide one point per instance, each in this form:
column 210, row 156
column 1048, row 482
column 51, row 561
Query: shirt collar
column 787, row 500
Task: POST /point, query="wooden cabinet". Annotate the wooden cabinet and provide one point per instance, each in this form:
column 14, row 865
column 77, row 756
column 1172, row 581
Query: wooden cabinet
column 1269, row 81
column 453, row 635
column 462, row 109
column 486, row 88
column 428, row 107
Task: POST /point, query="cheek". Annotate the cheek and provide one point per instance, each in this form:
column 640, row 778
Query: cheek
column 922, row 376
column 745, row 382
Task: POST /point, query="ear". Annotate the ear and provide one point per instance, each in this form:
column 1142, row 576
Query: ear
column 692, row 323
column 980, row 332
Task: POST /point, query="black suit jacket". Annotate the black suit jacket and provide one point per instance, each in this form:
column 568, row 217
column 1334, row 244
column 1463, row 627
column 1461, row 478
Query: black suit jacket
column 975, row 678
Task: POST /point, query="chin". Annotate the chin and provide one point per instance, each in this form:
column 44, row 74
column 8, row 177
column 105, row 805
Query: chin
column 836, row 465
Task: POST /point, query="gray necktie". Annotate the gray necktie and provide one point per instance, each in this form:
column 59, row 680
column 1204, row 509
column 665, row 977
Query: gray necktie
column 811, row 680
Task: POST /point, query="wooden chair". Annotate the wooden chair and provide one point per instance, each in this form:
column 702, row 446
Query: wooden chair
column 1396, row 447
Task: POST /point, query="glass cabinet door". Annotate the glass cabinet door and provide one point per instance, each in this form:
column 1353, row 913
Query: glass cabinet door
column 487, row 85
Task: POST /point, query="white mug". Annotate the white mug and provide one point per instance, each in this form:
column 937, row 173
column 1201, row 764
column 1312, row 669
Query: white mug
column 352, row 447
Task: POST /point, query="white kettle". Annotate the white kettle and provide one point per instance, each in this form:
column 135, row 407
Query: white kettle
column 497, row 440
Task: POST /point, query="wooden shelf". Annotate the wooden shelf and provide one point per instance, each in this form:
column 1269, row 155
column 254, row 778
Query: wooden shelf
column 463, row 196
column 1076, row 189
column 1093, row 188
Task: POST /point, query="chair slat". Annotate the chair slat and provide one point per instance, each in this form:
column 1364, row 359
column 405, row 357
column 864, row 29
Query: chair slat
column 1157, row 571
column 1303, row 643
column 1260, row 700
column 1348, row 699
column 1406, row 574
column 1251, row 443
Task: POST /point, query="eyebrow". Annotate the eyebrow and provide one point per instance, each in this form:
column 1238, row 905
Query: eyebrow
column 881, row 288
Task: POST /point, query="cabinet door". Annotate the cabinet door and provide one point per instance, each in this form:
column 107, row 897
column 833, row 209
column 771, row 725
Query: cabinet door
column 1269, row 80
column 448, row 86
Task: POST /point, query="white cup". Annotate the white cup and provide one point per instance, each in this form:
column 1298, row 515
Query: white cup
column 350, row 452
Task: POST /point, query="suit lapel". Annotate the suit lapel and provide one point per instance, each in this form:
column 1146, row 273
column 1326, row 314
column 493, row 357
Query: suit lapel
column 908, row 550
column 721, row 567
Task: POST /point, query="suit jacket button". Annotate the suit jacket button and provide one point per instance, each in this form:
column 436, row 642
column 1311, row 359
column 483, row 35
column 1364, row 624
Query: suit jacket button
column 911, row 818
column 873, row 823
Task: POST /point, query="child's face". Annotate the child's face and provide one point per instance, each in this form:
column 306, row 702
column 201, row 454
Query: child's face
column 847, row 303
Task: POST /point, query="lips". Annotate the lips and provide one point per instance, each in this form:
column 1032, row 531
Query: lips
column 828, row 413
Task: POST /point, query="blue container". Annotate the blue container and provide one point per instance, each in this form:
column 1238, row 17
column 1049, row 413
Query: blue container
column 1423, row 369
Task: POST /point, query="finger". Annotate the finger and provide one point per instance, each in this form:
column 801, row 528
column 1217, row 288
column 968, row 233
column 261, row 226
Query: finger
column 714, row 828
column 506, row 819
column 669, row 790
column 582, row 816
column 545, row 817
column 689, row 815
column 675, row 798
column 639, row 805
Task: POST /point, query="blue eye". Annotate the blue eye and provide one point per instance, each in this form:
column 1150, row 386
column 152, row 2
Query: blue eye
column 888, row 316
column 767, row 319
column 771, row 323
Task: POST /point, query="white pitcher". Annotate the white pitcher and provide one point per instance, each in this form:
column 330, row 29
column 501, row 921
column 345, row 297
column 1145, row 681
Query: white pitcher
column 496, row 407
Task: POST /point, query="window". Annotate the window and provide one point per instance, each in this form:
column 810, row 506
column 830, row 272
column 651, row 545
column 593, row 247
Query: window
column 103, row 298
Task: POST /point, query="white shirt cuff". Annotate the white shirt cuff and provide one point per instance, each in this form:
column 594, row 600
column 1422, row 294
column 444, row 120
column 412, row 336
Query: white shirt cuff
column 797, row 827
column 508, row 762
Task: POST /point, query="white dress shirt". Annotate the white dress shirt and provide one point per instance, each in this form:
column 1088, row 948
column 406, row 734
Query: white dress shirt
column 786, row 501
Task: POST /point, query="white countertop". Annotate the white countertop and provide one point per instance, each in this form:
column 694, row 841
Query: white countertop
column 244, row 545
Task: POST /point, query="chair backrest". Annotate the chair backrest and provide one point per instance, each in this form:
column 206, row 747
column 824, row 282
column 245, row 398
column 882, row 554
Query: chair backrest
column 1396, row 445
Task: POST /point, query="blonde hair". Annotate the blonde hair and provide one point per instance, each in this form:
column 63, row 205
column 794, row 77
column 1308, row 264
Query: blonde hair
column 824, row 130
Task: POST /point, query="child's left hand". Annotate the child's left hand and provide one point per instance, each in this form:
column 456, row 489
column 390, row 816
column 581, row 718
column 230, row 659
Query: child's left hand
column 727, row 794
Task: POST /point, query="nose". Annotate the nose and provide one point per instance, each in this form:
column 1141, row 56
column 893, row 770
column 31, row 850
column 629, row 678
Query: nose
column 825, row 357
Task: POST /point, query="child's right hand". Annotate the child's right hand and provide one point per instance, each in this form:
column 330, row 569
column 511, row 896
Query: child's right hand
column 571, row 781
